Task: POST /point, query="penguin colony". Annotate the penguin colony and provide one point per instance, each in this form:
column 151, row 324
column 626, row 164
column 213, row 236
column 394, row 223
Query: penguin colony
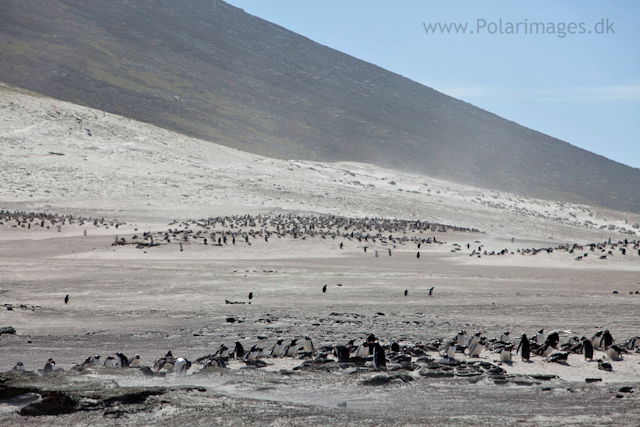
column 372, row 354
column 231, row 230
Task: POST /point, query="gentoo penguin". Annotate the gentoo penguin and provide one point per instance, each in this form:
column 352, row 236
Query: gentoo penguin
column 450, row 350
column 558, row 357
column 475, row 339
column 122, row 361
column 291, row 350
column 587, row 348
column 379, row 361
column 418, row 254
column 342, row 353
column 182, row 366
column 461, row 338
column 363, row 350
column 395, row 347
column 505, row 337
column 110, row 362
column 371, row 338
column 223, row 351
column 307, row 344
column 324, row 288
column 476, row 349
column 526, row 349
column 605, row 366
column 406, row 292
column 19, row 367
column 431, row 291
column 614, row 352
column 250, row 295
column 596, row 340
column 252, row 354
column 135, row 360
column 553, row 339
column 66, row 299
column 539, row 338
column 239, row 350
column 607, row 339
column 277, row 349
column 505, row 354
column 49, row 366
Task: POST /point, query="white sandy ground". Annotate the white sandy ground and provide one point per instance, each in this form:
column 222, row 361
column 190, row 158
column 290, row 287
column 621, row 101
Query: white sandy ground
column 150, row 300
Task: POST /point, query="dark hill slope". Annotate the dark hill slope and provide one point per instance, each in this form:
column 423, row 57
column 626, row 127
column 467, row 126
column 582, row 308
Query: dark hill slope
column 252, row 85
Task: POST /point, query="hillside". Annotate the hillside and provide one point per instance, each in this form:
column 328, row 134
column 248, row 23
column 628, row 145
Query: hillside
column 251, row 85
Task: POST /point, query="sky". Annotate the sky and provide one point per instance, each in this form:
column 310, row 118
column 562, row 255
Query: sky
column 576, row 78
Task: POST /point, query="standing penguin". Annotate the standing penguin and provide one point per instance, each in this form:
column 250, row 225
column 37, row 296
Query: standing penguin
column 250, row 295
column 324, row 289
column 406, row 292
column 607, row 339
column 526, row 348
column 587, row 348
column 418, row 254
column 66, row 299
column 307, row 344
column 379, row 361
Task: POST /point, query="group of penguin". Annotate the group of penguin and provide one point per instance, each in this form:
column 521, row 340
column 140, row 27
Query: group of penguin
column 371, row 350
column 542, row 345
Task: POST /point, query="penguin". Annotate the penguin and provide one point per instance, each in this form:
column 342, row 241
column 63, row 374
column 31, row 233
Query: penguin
column 342, row 353
column 505, row 337
column 182, row 366
column 250, row 295
column 476, row 349
column 559, row 357
column 110, row 362
column 277, row 349
column 587, row 348
column 324, row 289
column 252, row 354
column 605, row 366
column 539, row 338
column 395, row 347
column 379, row 361
column 418, row 255
column 505, row 354
column 66, row 299
column 49, row 366
column 474, row 339
column 450, row 350
column 135, row 360
column 291, row 350
column 553, row 339
column 596, row 340
column 307, row 344
column 371, row 338
column 406, row 292
column 362, row 350
column 239, row 350
column 223, row 351
column 95, row 359
column 607, row 339
column 614, row 352
column 461, row 338
column 376, row 254
column 122, row 361
column 19, row 367
column 526, row 348
column 431, row 291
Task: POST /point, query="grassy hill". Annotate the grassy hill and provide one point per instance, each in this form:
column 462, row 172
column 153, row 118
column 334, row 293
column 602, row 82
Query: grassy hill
column 249, row 84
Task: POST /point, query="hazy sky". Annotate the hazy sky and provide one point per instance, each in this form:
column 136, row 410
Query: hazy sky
column 583, row 88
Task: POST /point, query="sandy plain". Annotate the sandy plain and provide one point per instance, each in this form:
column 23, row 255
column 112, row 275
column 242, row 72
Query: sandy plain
column 153, row 299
